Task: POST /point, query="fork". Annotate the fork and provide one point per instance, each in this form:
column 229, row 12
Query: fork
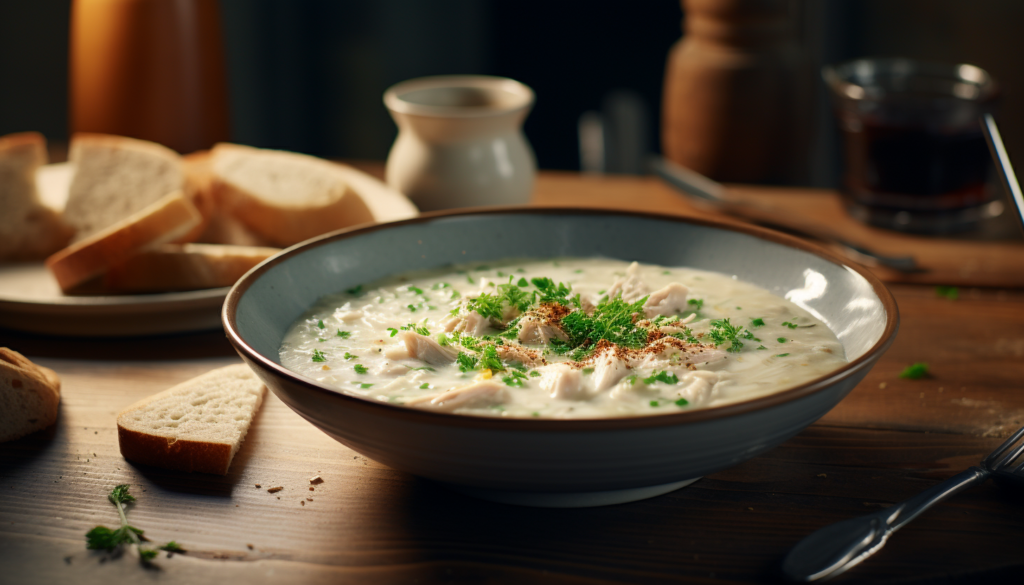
column 835, row 548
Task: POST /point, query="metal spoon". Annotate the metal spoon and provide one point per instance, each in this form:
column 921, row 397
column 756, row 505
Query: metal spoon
column 995, row 146
column 703, row 189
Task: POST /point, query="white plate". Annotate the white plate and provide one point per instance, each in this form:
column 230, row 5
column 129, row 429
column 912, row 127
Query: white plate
column 30, row 299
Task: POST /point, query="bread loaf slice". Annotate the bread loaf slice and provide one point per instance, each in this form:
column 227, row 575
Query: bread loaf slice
column 163, row 221
column 117, row 177
column 178, row 267
column 28, row 229
column 197, row 425
column 283, row 196
column 29, row 395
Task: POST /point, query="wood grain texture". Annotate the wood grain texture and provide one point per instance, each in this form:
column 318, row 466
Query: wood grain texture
column 889, row 440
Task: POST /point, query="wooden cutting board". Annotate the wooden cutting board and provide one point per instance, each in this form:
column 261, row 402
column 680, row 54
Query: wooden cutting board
column 970, row 261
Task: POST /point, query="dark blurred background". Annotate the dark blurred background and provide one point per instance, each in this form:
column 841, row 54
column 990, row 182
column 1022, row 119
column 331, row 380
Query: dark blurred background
column 308, row 75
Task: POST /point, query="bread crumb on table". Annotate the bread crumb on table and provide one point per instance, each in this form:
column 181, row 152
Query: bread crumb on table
column 315, row 480
column 302, row 502
column 258, row 485
column 275, row 489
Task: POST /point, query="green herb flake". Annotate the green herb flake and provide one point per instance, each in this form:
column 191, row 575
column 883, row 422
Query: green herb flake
column 319, row 356
column 759, row 322
column 682, row 402
column 522, row 282
column 948, row 292
column 790, row 325
column 393, row 331
column 781, row 340
column 320, row 324
column 355, row 290
column 588, row 370
column 915, row 371
column 666, row 272
column 365, row 385
column 424, row 386
column 631, row 379
column 414, row 289
column 761, row 347
column 421, row 368
column 412, row 308
column 781, row 355
column 724, row 333
column 344, row 334
column 534, row 374
column 360, row 369
column 103, row 538
column 697, row 304
column 659, row 376
column 466, row 362
column 349, row 356
column 654, row 403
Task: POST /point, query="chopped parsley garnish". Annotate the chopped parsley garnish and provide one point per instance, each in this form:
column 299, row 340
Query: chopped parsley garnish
column 790, row 325
column 781, row 340
column 515, row 378
column 723, row 332
column 349, row 356
column 522, row 282
column 613, row 320
column 344, row 334
column 414, row 289
column 588, row 370
column 320, row 324
column 412, row 308
column 364, row 385
column 424, row 386
column 466, row 362
column 440, row 285
column 781, row 355
column 682, row 402
column 393, row 331
column 915, row 371
column 761, row 347
column 355, row 290
column 748, row 335
column 948, row 292
column 550, row 292
column 360, row 369
column 103, row 538
column 489, row 359
column 534, row 374
column 631, row 379
column 697, row 304
column 759, row 322
column 424, row 368
column 319, row 356
column 665, row 377
column 654, row 403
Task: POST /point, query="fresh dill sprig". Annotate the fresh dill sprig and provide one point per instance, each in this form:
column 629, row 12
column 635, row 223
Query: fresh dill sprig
column 723, row 332
column 103, row 538
column 613, row 320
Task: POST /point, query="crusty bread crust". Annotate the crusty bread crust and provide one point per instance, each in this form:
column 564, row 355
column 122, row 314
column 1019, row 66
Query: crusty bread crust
column 28, row 229
column 162, row 222
column 285, row 224
column 199, row 187
column 29, row 395
column 161, row 447
column 180, row 267
column 182, row 455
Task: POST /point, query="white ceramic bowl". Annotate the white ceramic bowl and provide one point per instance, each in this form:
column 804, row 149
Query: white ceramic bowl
column 559, row 462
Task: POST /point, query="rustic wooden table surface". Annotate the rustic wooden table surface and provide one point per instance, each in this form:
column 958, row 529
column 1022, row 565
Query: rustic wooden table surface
column 890, row 439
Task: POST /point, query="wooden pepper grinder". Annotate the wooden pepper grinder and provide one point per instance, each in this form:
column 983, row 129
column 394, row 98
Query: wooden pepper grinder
column 735, row 104
column 150, row 69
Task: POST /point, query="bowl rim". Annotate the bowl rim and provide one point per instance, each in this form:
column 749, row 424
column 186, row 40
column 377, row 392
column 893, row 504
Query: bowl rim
column 230, row 307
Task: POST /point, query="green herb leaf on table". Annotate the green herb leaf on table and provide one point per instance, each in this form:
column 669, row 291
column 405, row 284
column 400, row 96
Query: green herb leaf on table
column 948, row 292
column 103, row 538
column 915, row 371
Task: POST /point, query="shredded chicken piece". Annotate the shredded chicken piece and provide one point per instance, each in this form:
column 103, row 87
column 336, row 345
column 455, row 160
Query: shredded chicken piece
column 480, row 393
column 563, row 381
column 426, row 349
column 630, row 287
column 468, row 322
column 511, row 352
column 608, row 370
column 667, row 301
column 534, row 329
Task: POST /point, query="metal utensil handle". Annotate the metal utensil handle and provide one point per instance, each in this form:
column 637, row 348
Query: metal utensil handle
column 837, row 547
column 995, row 145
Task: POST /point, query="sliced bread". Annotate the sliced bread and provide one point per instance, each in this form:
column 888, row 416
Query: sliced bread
column 178, row 267
column 117, row 177
column 28, row 229
column 197, row 425
column 283, row 196
column 163, row 221
column 29, row 395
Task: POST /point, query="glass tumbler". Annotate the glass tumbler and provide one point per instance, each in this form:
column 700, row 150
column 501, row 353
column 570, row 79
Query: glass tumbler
column 915, row 156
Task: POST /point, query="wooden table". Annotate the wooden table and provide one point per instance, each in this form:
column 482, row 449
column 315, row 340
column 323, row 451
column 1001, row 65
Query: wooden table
column 890, row 439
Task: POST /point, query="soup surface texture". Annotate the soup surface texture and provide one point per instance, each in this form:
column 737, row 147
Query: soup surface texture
column 565, row 338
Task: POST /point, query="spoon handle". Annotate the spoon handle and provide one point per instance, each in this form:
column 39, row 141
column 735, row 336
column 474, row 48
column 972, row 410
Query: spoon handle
column 995, row 145
column 837, row 547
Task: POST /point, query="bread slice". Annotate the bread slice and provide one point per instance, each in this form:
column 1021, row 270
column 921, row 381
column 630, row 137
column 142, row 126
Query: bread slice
column 197, row 425
column 117, row 177
column 28, row 229
column 162, row 222
column 29, row 395
column 283, row 196
column 198, row 168
column 177, row 267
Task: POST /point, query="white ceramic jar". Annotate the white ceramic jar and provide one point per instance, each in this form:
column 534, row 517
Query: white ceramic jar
column 460, row 141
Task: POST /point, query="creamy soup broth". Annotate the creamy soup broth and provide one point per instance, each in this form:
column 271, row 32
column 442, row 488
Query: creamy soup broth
column 565, row 338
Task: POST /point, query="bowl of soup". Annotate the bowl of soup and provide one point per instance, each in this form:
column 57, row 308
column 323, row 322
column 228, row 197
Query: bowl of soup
column 560, row 357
